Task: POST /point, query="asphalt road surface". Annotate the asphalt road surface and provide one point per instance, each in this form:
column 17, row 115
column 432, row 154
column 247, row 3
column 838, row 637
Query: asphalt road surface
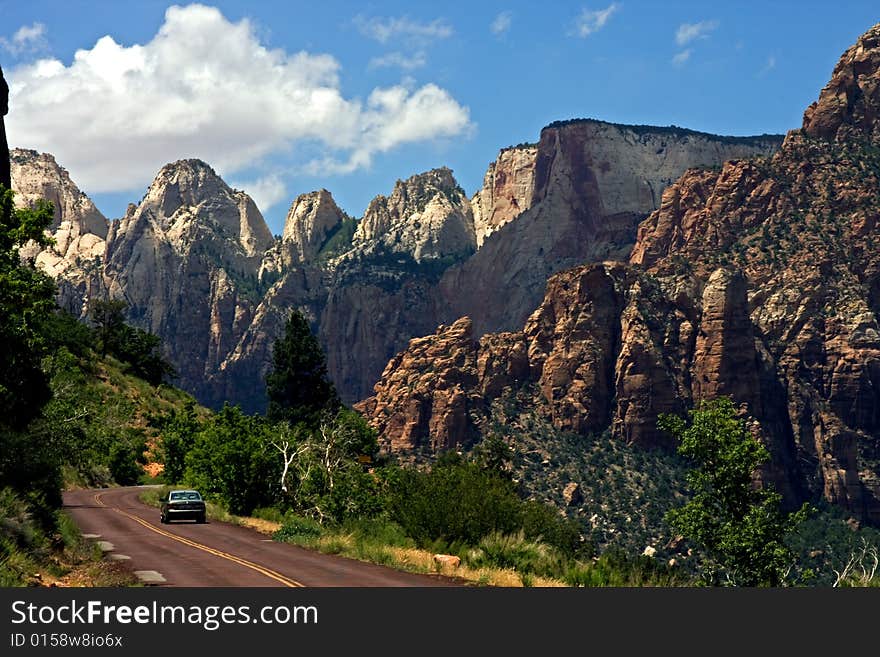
column 216, row 553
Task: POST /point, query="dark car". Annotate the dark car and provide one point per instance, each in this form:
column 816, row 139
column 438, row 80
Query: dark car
column 183, row 504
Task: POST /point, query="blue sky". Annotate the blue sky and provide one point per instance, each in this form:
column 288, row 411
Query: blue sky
column 286, row 97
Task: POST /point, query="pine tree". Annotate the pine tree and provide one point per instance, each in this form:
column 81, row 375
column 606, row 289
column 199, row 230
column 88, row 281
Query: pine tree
column 298, row 387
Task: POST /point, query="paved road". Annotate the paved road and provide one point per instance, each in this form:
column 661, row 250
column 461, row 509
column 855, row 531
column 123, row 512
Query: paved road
column 216, row 553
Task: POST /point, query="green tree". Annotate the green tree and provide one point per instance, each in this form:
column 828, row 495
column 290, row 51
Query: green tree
column 455, row 501
column 139, row 349
column 29, row 466
column 326, row 478
column 108, row 316
column 26, row 302
column 740, row 525
column 298, row 387
column 232, row 460
column 178, row 430
column 126, row 457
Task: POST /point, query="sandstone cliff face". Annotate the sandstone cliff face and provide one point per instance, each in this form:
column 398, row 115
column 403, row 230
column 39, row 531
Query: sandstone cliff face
column 849, row 105
column 312, row 218
column 79, row 229
column 591, row 184
column 760, row 281
column 198, row 266
column 367, row 301
column 507, row 192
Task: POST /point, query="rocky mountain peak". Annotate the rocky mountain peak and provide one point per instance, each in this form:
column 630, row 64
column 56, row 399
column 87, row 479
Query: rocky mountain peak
column 311, row 219
column 427, row 216
column 190, row 190
column 38, row 176
column 849, row 105
column 79, row 229
column 184, row 183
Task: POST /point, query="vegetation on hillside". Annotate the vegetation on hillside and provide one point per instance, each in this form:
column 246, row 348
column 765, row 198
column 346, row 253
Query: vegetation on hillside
column 67, row 415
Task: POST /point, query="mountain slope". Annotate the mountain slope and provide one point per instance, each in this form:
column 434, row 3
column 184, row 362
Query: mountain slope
column 760, row 280
column 197, row 265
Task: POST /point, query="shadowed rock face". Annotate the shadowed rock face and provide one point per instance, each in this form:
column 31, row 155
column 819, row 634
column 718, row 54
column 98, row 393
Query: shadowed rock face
column 759, row 281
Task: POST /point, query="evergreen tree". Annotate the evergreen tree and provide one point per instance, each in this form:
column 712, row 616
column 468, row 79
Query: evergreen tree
column 298, row 387
column 140, row 349
column 109, row 321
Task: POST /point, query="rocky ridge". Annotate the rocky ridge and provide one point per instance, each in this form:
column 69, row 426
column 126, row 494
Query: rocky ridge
column 198, row 266
column 760, row 280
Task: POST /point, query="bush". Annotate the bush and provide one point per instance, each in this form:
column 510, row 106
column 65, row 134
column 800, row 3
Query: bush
column 454, row 501
column 296, row 529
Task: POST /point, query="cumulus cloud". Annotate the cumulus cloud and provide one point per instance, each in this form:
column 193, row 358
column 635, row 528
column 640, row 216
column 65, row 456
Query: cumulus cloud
column 400, row 60
column 266, row 192
column 682, row 57
column 28, row 38
column 206, row 87
column 405, row 29
column 592, row 20
column 501, row 24
column 688, row 32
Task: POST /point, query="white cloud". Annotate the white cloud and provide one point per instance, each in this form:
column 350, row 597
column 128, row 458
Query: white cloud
column 590, row 21
column 397, row 115
column 502, row 23
column 206, row 87
column 400, row 60
column 385, row 30
column 682, row 57
column 769, row 65
column 28, row 38
column 688, row 32
column 266, row 192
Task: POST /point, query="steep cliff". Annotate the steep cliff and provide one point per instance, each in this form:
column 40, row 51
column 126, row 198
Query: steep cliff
column 311, row 220
column 507, row 192
column 590, row 184
column 760, row 280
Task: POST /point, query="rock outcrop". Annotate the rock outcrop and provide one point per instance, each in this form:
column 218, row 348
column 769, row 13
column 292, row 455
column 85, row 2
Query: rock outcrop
column 187, row 260
column 849, row 105
column 311, row 220
column 427, row 216
column 760, row 281
column 79, row 229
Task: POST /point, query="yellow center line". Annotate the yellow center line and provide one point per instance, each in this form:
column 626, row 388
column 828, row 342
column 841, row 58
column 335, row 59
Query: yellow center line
column 287, row 581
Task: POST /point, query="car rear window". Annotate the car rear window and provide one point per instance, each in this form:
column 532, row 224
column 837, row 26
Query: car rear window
column 191, row 495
